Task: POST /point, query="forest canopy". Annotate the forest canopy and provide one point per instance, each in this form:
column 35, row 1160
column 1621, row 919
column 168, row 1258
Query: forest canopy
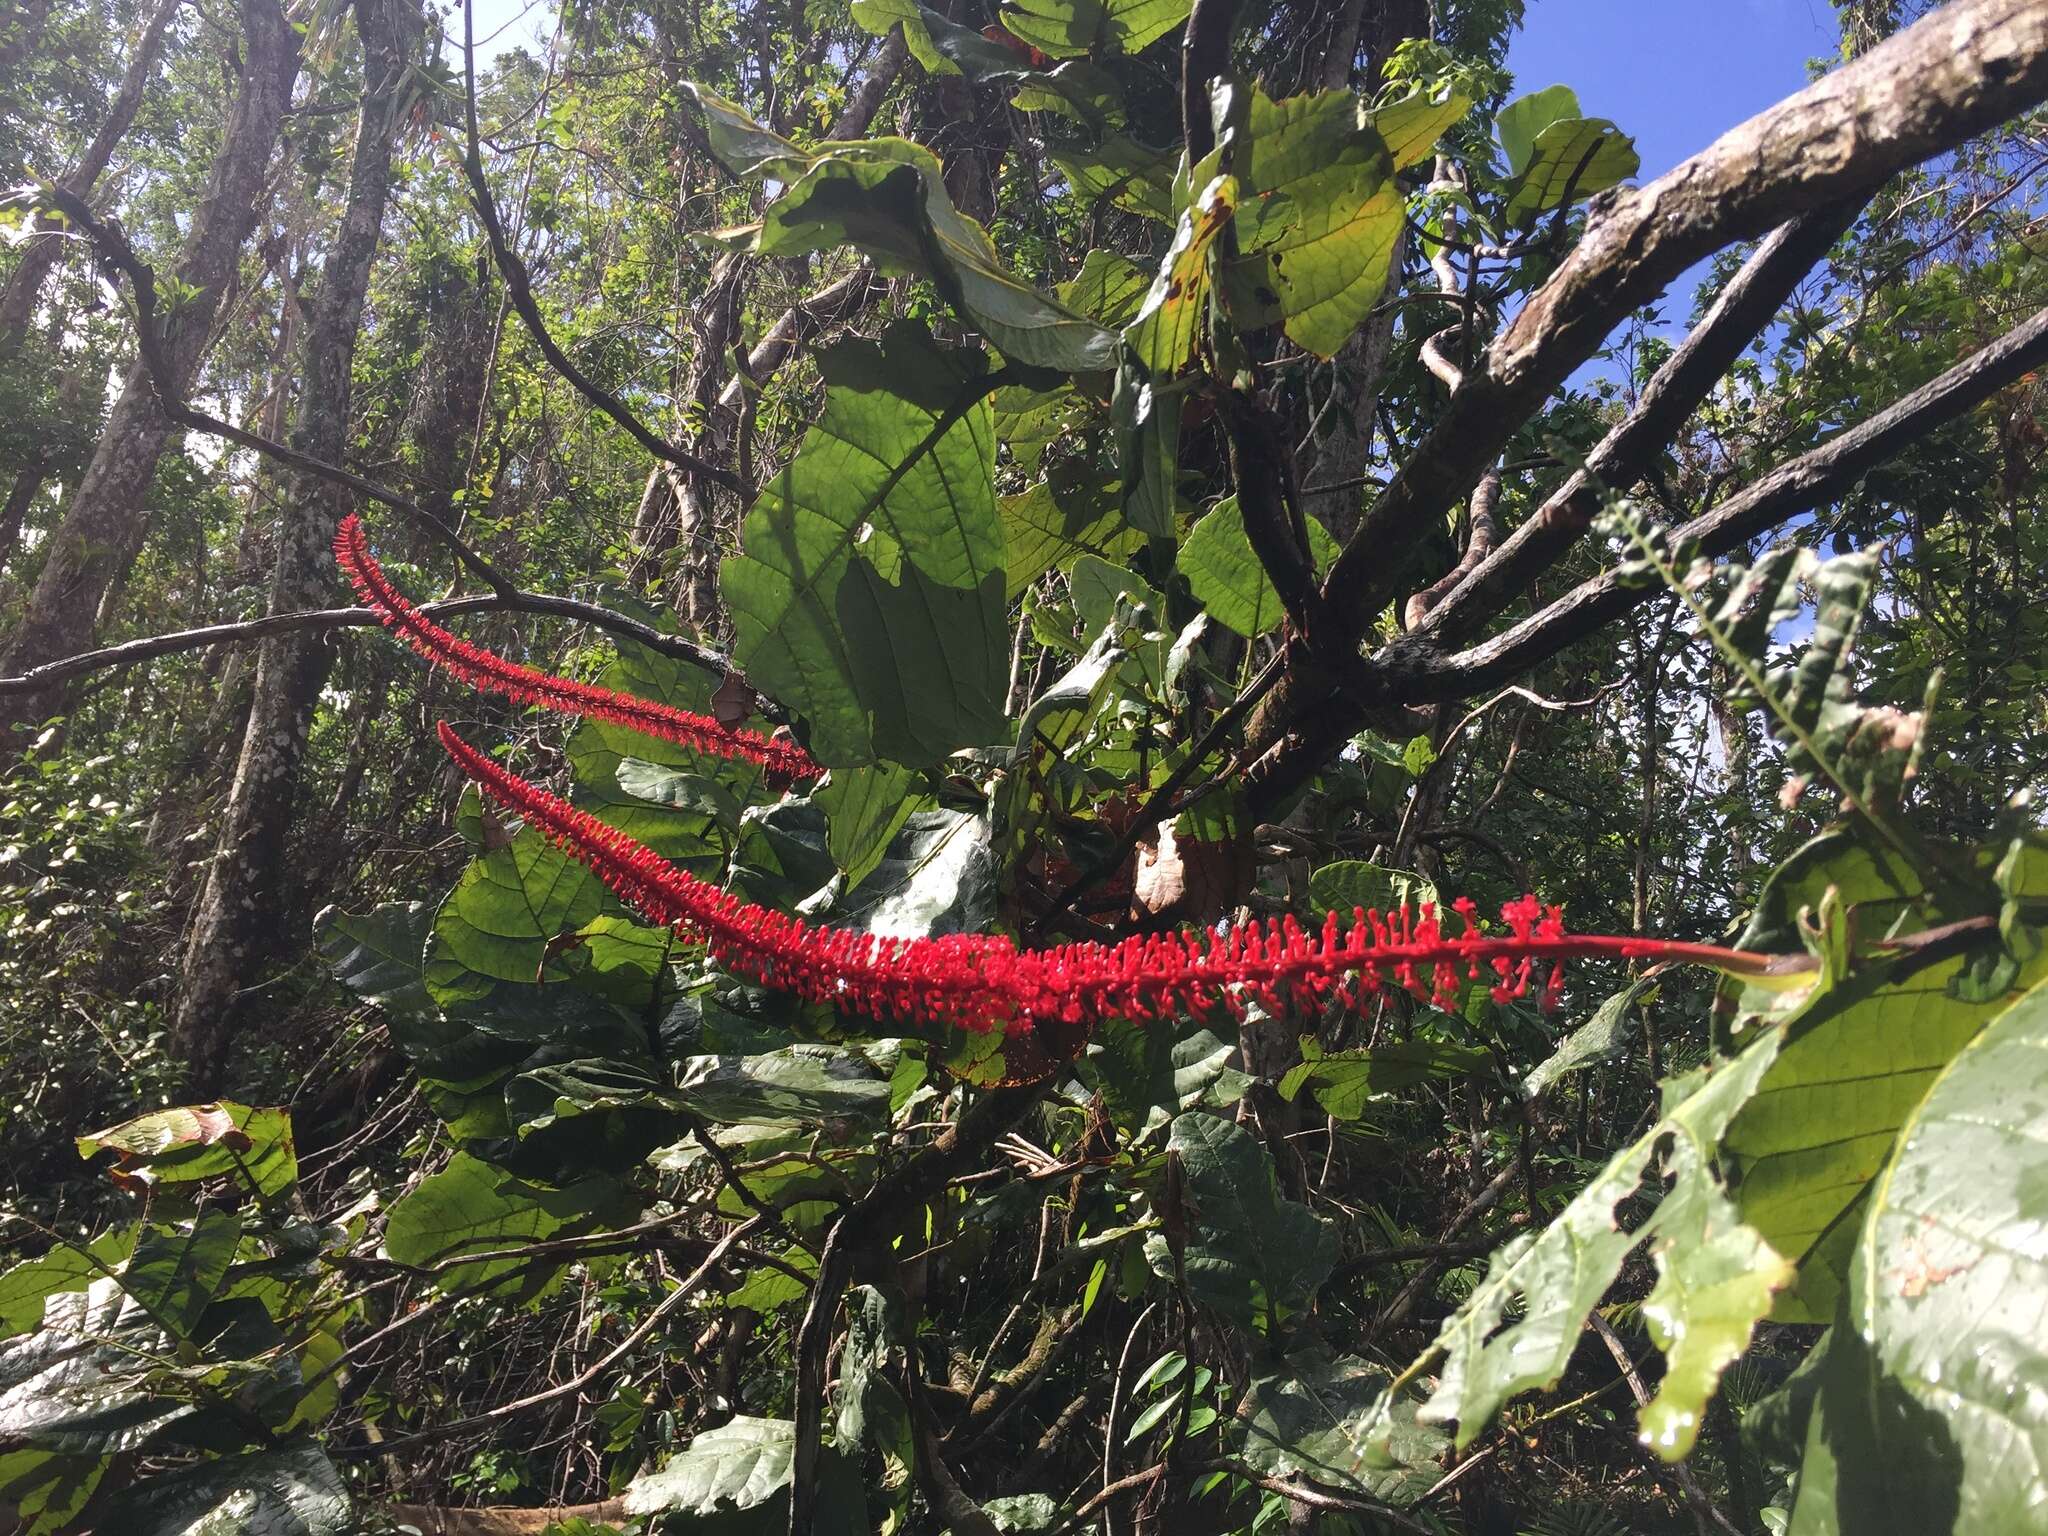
column 1016, row 766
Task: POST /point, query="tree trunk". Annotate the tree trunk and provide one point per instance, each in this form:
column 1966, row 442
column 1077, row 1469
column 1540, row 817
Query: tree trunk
column 18, row 303
column 235, row 925
column 103, row 528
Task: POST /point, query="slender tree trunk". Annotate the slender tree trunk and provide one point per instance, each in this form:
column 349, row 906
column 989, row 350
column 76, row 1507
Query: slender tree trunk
column 18, row 303
column 103, row 528
column 235, row 925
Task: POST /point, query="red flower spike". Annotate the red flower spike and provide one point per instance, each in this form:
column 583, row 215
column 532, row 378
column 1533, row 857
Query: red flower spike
column 784, row 763
column 984, row 981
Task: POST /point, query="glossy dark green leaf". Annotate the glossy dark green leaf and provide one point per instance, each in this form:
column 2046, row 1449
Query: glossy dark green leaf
column 292, row 1490
column 470, row 1207
column 800, row 1084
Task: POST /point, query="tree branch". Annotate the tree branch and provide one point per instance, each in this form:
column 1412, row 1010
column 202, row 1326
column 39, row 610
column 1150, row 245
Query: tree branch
column 519, row 289
column 1415, row 673
column 1742, row 310
column 1956, row 73
column 514, row 600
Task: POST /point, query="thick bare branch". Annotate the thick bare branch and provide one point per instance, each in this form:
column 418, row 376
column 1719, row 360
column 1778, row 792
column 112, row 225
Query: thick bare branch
column 1960, row 71
column 1411, row 674
column 1741, row 311
column 130, row 653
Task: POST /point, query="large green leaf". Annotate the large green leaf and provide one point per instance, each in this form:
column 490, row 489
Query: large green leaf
column 1518, row 122
column 64, row 1268
column 800, row 1084
column 1227, row 577
column 1345, row 1081
column 741, row 1464
column 1554, row 1278
column 1855, row 1062
column 864, row 810
column 1252, row 1254
column 1572, row 158
column 470, row 1207
column 46, row 1490
column 1070, row 513
column 888, row 197
column 1412, row 125
column 1318, row 213
column 1326, row 1418
column 1068, row 28
column 72, row 1388
column 507, row 908
column 1931, row 1413
column 869, row 593
column 1352, row 884
column 1162, row 336
column 1599, row 1039
column 1133, row 176
column 289, row 1491
column 253, row 1147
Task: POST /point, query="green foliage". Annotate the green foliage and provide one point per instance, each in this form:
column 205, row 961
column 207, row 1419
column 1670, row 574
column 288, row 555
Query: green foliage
column 870, row 591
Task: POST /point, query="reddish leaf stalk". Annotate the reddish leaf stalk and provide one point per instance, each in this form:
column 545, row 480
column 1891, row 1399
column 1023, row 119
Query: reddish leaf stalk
column 984, row 982
column 783, row 762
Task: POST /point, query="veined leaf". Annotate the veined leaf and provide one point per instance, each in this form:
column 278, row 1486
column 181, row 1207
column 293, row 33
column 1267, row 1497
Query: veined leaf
column 1599, row 1039
column 1068, row 514
column 1352, row 883
column 1929, row 1415
column 292, row 1490
column 506, row 909
column 1558, row 1276
column 865, row 808
column 1319, row 211
column 869, row 590
column 1854, row 1063
column 1344, row 1081
column 888, row 197
column 1225, row 573
column 1253, row 1255
column 1068, row 28
column 1576, row 157
column 1412, row 125
column 1326, row 1418
column 1135, row 178
column 470, row 1207
column 1162, row 337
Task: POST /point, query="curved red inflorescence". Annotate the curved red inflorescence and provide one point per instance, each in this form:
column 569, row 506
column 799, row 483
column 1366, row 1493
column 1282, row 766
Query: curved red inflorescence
column 783, row 762
column 985, row 982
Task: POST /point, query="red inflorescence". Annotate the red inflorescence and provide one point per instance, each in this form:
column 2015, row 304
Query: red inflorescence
column 985, row 982
column 784, row 763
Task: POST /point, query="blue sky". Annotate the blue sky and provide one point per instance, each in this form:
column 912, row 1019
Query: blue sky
column 1674, row 73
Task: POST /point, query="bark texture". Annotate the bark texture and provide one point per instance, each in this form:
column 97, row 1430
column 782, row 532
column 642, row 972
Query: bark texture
column 102, row 530
column 235, row 923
